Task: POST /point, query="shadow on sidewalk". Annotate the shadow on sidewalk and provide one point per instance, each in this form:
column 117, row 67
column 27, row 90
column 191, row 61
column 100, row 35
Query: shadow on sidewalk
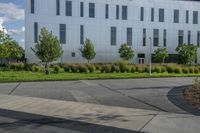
column 35, row 122
column 176, row 97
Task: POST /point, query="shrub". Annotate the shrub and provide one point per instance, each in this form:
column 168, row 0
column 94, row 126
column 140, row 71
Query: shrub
column 196, row 70
column 128, row 69
column 83, row 69
column 67, row 68
column 157, row 69
column 35, row 68
column 17, row 66
column 91, row 68
column 191, row 70
column 185, row 70
column 140, row 69
column 133, row 69
column 74, row 69
column 163, row 70
column 28, row 67
column 178, row 70
column 115, row 68
column 170, row 69
column 56, row 69
column 146, row 69
column 106, row 69
column 98, row 67
column 123, row 66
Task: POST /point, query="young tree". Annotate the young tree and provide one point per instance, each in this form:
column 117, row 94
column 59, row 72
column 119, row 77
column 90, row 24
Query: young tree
column 187, row 53
column 161, row 54
column 48, row 48
column 126, row 52
column 88, row 51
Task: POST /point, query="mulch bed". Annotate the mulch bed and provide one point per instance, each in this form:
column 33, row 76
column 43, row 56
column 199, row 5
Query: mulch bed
column 192, row 96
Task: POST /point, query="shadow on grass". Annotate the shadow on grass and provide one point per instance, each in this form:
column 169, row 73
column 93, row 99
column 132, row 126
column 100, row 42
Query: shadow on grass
column 176, row 97
column 12, row 121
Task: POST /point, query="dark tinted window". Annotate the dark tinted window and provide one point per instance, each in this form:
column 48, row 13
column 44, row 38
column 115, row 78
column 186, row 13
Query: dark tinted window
column 32, row 6
column 180, row 37
column 142, row 14
column 161, row 15
column 82, row 9
column 165, row 38
column 144, row 37
column 57, row 7
column 195, row 17
column 81, row 34
column 189, row 36
column 113, row 36
column 91, row 10
column 129, row 36
column 68, row 8
column 107, row 11
column 117, row 12
column 187, row 17
column 156, row 37
column 176, row 16
column 35, row 32
column 198, row 38
column 152, row 14
column 124, row 12
column 63, row 33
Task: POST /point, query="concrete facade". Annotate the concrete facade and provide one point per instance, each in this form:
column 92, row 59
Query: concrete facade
column 98, row 29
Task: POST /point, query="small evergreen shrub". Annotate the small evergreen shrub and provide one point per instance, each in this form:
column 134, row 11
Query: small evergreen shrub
column 67, row 68
column 185, row 70
column 163, row 70
column 56, row 69
column 123, row 66
column 74, row 69
column 191, row 69
column 35, row 68
column 178, row 70
column 17, row 66
column 106, row 69
column 133, row 69
column 91, row 68
column 83, row 69
column 157, row 69
column 170, row 69
column 128, row 69
column 196, row 70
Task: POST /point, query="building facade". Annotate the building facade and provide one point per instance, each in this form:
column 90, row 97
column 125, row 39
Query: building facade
column 145, row 25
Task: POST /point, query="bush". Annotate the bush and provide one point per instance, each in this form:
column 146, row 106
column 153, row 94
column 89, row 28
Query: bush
column 170, row 69
column 56, row 69
column 106, row 69
column 163, row 70
column 28, row 67
column 67, row 68
column 196, row 70
column 91, row 68
column 123, row 66
column 178, row 70
column 115, row 68
column 185, row 70
column 17, row 66
column 133, row 69
column 83, row 69
column 146, row 69
column 191, row 70
column 128, row 69
column 35, row 68
column 74, row 69
column 157, row 69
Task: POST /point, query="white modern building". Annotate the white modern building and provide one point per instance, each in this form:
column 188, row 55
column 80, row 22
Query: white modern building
column 110, row 23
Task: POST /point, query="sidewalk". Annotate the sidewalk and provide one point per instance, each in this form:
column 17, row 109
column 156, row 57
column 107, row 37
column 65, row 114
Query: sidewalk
column 123, row 118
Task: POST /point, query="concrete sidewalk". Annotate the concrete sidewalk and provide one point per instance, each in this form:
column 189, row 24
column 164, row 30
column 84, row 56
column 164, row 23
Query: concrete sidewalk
column 119, row 117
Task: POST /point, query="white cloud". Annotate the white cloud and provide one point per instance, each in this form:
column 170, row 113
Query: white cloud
column 16, row 31
column 10, row 12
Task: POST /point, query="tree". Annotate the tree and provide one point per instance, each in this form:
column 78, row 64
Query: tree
column 48, row 48
column 161, row 54
column 187, row 53
column 88, row 51
column 126, row 52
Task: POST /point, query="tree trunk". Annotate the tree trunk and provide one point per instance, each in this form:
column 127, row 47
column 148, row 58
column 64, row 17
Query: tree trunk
column 47, row 68
column 163, row 60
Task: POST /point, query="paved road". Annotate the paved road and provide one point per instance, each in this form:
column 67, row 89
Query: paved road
column 161, row 95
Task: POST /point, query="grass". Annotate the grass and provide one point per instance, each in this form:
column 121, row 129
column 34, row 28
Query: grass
column 24, row 76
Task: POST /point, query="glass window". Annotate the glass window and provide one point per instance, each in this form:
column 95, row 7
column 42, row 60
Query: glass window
column 161, row 15
column 176, row 16
column 107, row 11
column 124, row 12
column 57, row 7
column 144, row 37
column 165, row 38
column 180, row 37
column 198, row 38
column 113, row 36
column 187, row 17
column 152, row 14
column 92, row 10
column 32, row 6
column 63, row 33
column 129, row 36
column 195, row 17
column 81, row 34
column 189, row 36
column 82, row 9
column 156, row 37
column 35, row 32
column 68, row 8
column 117, row 11
column 142, row 14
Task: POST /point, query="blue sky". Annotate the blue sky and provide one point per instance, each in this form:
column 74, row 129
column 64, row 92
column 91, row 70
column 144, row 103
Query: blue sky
column 12, row 18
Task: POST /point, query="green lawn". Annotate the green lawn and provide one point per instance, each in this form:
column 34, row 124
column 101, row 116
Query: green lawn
column 23, row 76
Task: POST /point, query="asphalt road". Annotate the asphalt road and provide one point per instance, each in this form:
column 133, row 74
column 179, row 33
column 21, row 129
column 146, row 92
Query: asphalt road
column 151, row 94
